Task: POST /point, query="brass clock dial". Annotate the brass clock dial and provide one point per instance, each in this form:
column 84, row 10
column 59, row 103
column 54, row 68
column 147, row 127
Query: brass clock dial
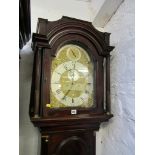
column 71, row 78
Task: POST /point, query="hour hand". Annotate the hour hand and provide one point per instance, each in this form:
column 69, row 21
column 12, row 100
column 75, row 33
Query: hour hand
column 66, row 94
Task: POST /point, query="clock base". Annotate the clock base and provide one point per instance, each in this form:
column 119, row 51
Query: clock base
column 69, row 143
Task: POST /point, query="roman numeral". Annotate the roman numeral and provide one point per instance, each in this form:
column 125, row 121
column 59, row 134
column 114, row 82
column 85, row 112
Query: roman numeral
column 58, row 91
column 89, row 83
column 58, row 73
column 86, row 91
column 82, row 99
column 65, row 66
column 72, row 100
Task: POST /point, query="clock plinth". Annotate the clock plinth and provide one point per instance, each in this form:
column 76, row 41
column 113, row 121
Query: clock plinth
column 69, row 143
column 70, row 93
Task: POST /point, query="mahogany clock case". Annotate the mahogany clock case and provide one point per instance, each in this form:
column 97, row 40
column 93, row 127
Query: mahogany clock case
column 63, row 133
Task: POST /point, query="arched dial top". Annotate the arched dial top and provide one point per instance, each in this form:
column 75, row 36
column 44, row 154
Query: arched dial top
column 72, row 78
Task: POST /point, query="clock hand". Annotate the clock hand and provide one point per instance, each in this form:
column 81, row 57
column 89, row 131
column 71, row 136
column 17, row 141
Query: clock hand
column 74, row 65
column 67, row 91
column 70, row 87
column 72, row 75
column 73, row 78
column 73, row 53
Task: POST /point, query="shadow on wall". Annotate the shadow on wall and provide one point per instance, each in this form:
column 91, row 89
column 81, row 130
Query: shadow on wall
column 29, row 136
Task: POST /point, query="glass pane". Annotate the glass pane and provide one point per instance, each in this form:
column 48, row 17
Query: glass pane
column 71, row 78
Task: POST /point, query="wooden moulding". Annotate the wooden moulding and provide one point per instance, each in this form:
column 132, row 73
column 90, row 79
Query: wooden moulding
column 108, row 99
column 72, row 119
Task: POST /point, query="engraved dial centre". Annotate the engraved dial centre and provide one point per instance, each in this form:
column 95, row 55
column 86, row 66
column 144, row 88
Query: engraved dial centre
column 73, row 75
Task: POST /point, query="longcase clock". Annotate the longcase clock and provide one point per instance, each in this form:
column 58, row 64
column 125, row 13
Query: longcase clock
column 70, row 94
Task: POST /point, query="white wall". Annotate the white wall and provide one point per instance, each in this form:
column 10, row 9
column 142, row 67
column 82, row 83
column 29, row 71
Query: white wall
column 106, row 11
column 55, row 9
column 117, row 136
column 29, row 136
column 95, row 6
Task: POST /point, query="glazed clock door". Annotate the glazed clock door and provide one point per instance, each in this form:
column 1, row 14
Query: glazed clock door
column 72, row 78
